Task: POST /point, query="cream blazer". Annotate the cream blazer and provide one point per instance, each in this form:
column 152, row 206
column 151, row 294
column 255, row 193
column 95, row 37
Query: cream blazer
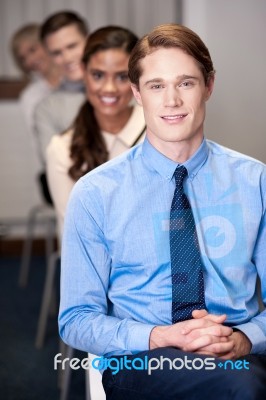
column 59, row 161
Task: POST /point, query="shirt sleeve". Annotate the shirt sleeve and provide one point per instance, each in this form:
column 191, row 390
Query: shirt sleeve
column 85, row 320
column 255, row 329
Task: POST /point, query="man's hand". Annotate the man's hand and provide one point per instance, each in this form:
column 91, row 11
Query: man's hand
column 238, row 343
column 203, row 331
column 240, row 346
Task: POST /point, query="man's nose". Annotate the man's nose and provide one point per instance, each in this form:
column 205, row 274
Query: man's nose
column 66, row 57
column 172, row 97
column 30, row 62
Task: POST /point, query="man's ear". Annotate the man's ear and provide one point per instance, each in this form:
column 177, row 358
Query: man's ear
column 209, row 87
column 136, row 94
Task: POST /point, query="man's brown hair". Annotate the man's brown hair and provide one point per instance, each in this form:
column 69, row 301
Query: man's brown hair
column 170, row 36
column 61, row 20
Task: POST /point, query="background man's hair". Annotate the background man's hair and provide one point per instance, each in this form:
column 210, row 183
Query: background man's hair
column 61, row 20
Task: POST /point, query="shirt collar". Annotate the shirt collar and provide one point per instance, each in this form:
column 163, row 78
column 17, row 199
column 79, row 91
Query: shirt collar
column 166, row 167
column 72, row 86
column 130, row 132
column 194, row 163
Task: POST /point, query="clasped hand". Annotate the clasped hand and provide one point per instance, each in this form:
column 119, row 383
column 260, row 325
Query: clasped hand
column 204, row 334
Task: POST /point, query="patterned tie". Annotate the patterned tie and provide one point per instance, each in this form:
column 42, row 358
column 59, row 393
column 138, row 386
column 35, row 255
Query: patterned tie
column 187, row 276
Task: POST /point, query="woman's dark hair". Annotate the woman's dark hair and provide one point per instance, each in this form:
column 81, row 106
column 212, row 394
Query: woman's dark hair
column 88, row 149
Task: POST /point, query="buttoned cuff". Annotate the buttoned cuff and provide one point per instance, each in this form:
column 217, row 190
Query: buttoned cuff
column 255, row 335
column 139, row 338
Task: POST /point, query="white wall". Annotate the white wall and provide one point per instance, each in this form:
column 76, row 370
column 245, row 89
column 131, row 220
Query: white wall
column 235, row 33
column 18, row 167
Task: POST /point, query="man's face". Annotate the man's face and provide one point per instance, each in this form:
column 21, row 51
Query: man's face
column 66, row 48
column 173, row 93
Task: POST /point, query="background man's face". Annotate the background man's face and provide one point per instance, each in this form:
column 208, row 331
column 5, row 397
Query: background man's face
column 66, row 48
column 173, row 93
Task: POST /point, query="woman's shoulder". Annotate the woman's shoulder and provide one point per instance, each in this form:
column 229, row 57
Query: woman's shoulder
column 62, row 140
column 59, row 145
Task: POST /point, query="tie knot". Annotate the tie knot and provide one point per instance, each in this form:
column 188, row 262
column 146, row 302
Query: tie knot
column 179, row 174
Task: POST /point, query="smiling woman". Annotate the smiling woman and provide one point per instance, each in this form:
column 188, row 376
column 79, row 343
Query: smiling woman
column 108, row 123
column 108, row 90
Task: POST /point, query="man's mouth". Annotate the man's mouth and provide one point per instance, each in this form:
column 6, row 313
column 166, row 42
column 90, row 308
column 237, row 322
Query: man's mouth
column 174, row 117
column 72, row 67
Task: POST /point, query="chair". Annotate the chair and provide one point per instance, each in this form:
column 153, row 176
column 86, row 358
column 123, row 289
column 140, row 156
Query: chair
column 93, row 379
column 94, row 387
column 48, row 293
column 40, row 213
column 65, row 376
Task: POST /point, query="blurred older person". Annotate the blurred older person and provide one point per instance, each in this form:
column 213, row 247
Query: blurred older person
column 43, row 77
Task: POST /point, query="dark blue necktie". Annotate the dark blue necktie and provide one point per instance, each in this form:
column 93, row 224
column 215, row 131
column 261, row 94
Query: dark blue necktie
column 187, row 276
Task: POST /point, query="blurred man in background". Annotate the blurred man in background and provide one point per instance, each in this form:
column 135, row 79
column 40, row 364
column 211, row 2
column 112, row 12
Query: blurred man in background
column 63, row 35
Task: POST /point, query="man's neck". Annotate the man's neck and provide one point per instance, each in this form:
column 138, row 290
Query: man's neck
column 177, row 151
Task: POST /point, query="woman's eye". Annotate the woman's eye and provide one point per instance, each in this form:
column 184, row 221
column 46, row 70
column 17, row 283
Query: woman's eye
column 97, row 75
column 122, row 77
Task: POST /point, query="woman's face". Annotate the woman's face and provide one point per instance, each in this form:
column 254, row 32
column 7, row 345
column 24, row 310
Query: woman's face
column 107, row 84
column 33, row 57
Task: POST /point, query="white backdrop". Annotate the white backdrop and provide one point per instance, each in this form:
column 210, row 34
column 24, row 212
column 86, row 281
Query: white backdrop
column 235, row 33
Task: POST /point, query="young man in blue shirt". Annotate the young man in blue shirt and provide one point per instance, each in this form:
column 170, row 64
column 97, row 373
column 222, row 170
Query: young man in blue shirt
column 123, row 292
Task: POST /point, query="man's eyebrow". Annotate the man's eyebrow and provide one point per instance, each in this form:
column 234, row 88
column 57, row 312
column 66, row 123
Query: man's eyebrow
column 181, row 77
column 178, row 78
column 155, row 80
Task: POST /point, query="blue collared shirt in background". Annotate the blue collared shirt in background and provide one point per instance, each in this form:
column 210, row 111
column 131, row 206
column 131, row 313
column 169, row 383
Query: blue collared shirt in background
column 116, row 270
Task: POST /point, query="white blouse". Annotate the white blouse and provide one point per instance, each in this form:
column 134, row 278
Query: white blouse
column 59, row 161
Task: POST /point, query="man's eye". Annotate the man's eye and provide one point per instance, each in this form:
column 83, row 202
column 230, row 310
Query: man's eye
column 72, row 45
column 186, row 84
column 56, row 53
column 156, row 86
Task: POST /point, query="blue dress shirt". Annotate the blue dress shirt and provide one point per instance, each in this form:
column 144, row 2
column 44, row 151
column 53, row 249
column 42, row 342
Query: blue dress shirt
column 116, row 272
